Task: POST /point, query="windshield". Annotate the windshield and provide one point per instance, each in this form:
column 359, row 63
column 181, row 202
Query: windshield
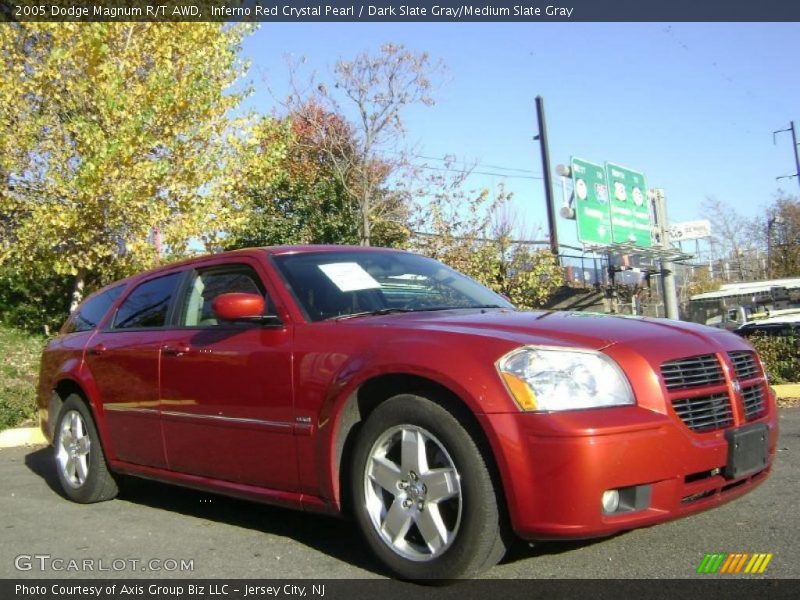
column 352, row 283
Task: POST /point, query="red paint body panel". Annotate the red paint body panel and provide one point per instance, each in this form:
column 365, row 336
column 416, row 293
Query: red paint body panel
column 125, row 369
column 226, row 405
column 559, row 473
column 255, row 411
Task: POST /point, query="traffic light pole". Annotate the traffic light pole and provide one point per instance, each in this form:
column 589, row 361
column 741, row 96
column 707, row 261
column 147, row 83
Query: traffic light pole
column 548, row 178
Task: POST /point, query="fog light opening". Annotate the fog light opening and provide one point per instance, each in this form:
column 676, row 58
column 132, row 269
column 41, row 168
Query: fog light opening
column 610, row 501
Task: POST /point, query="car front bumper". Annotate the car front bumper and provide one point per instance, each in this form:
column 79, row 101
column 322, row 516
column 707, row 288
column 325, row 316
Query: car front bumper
column 555, row 468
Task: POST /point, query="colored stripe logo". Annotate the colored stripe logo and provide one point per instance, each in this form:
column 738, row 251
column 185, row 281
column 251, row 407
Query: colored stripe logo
column 735, row 563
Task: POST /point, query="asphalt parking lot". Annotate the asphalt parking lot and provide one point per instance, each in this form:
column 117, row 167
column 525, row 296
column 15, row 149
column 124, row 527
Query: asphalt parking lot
column 229, row 538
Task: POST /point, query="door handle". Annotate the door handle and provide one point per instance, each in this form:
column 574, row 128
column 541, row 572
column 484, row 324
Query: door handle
column 176, row 350
column 98, row 349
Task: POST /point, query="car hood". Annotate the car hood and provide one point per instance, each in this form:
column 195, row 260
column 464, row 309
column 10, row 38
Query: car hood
column 559, row 328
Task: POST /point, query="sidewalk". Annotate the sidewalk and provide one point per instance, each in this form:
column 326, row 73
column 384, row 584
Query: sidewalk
column 788, row 394
column 21, row 436
column 787, row 390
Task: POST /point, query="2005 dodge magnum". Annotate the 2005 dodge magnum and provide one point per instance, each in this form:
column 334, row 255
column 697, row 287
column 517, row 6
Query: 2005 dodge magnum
column 385, row 385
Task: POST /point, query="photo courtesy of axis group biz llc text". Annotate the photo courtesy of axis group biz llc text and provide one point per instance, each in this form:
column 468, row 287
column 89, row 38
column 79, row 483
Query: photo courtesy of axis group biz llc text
column 342, row 300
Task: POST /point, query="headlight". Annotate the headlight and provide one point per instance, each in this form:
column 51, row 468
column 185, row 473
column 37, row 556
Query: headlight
column 547, row 379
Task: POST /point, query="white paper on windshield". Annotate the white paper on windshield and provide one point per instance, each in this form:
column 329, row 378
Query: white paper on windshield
column 349, row 277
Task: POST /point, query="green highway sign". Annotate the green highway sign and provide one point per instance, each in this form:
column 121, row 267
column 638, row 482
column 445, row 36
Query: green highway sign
column 629, row 209
column 591, row 202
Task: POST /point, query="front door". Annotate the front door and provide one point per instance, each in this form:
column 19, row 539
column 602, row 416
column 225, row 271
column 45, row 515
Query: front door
column 226, row 395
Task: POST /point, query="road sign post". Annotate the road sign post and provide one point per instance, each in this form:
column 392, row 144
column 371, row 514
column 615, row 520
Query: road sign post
column 668, row 288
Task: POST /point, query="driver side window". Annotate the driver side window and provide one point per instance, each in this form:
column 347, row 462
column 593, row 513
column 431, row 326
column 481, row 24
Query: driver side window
column 207, row 284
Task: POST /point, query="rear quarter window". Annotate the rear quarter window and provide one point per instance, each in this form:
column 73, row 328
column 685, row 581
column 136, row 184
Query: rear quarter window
column 92, row 311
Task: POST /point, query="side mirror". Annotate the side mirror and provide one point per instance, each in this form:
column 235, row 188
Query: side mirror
column 242, row 307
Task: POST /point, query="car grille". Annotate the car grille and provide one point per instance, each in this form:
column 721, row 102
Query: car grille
column 692, row 372
column 754, row 401
column 704, row 410
column 704, row 413
column 744, row 364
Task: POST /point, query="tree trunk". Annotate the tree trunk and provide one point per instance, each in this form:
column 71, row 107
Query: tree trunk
column 365, row 227
column 77, row 291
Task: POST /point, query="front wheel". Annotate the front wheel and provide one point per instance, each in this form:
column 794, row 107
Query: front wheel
column 80, row 462
column 424, row 496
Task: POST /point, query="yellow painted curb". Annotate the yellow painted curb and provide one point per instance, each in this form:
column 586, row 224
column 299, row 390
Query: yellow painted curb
column 787, row 390
column 21, row 436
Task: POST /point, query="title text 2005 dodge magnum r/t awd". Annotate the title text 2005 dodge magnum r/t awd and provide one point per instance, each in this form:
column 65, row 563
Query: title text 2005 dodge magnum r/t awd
column 388, row 386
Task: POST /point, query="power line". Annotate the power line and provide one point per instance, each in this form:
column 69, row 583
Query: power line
column 496, row 167
column 469, row 172
column 721, row 72
column 482, row 239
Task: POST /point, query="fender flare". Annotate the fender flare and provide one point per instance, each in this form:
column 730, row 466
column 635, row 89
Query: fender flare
column 360, row 370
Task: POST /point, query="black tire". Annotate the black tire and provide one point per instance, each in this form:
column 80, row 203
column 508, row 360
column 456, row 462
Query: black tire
column 468, row 536
column 85, row 481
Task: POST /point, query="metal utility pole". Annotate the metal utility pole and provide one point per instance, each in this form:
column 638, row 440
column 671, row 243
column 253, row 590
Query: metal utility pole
column 774, row 220
column 548, row 179
column 667, row 266
column 792, row 129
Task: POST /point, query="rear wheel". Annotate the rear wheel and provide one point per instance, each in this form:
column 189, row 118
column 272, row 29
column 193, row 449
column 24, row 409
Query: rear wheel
column 80, row 462
column 424, row 496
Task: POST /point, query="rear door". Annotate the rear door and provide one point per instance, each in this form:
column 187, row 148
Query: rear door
column 226, row 388
column 70, row 346
column 123, row 359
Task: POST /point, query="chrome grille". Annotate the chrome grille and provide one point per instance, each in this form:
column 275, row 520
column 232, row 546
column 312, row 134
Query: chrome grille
column 745, row 365
column 692, row 372
column 704, row 413
column 754, row 404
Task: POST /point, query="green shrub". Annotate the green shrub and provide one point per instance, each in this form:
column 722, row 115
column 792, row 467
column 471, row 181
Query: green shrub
column 19, row 370
column 31, row 303
column 780, row 355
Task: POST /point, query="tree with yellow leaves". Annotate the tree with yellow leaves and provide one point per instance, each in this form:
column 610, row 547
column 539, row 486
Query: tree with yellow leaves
column 113, row 137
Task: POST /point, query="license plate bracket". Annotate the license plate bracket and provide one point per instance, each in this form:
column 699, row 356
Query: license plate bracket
column 748, row 450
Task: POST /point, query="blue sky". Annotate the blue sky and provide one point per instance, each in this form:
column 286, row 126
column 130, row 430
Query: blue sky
column 693, row 106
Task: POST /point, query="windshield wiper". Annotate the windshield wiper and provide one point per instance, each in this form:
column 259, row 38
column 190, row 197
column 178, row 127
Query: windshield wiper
column 389, row 311
column 370, row 313
column 483, row 306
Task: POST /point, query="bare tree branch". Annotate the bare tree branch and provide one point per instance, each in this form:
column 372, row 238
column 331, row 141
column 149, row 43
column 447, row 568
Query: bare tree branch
column 376, row 89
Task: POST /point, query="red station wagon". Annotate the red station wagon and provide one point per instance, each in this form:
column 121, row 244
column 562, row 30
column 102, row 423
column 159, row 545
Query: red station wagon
column 384, row 384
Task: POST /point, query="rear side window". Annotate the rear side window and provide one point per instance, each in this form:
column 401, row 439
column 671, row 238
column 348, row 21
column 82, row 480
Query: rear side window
column 91, row 312
column 148, row 304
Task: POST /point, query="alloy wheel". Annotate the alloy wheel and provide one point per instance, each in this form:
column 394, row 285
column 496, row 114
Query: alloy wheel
column 413, row 493
column 72, row 452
